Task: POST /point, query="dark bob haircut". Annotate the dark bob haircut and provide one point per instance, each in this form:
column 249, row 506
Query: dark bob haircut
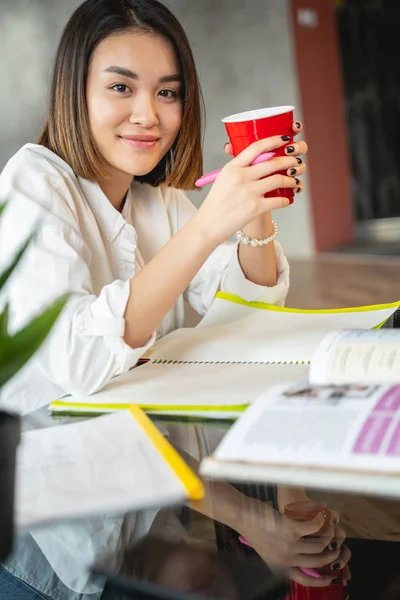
column 67, row 131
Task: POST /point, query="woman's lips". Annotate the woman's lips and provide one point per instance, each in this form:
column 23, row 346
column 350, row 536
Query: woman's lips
column 140, row 141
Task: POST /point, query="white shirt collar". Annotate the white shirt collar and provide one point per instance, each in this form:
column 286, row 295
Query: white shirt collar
column 108, row 218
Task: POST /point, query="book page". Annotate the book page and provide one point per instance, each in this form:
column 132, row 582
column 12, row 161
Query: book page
column 358, row 357
column 343, row 427
column 104, row 465
column 258, row 335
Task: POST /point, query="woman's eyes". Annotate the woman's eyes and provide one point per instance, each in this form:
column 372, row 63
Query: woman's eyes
column 122, row 88
column 168, row 93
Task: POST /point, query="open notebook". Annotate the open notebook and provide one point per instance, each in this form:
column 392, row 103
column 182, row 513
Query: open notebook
column 113, row 464
column 222, row 365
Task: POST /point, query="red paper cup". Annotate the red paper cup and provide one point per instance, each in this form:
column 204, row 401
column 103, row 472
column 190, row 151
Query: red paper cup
column 247, row 127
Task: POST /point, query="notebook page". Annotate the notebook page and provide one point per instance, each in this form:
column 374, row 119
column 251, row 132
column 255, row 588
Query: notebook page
column 267, row 336
column 197, row 388
column 227, row 308
column 107, row 464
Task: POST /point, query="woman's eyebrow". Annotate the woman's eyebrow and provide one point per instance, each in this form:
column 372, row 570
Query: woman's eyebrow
column 124, row 72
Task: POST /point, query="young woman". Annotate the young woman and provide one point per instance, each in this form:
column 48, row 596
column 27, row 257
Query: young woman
column 104, row 186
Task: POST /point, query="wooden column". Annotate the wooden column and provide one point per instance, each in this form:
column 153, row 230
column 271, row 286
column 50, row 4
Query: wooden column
column 317, row 56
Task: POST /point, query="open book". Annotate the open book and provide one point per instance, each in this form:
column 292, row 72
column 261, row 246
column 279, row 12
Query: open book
column 112, row 464
column 223, row 365
column 342, row 434
column 358, row 357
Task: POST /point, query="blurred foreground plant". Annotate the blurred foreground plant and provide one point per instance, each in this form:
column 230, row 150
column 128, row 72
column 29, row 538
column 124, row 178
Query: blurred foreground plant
column 17, row 349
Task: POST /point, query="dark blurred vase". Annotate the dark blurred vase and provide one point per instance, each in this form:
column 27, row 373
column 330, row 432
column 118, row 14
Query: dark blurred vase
column 396, row 319
column 10, row 432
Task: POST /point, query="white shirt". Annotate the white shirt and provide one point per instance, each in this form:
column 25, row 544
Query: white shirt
column 86, row 247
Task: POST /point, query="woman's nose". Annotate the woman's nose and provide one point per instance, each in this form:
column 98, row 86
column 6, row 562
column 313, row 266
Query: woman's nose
column 144, row 112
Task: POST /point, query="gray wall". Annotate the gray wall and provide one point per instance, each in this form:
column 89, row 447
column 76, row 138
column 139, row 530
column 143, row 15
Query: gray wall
column 244, row 55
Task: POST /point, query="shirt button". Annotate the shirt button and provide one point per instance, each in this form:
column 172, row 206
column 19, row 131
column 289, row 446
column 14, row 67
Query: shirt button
column 83, row 327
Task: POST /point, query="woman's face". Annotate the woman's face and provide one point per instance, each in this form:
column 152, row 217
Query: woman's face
column 134, row 100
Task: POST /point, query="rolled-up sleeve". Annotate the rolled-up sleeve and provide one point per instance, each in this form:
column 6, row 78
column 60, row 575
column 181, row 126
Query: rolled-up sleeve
column 234, row 281
column 85, row 348
column 222, row 272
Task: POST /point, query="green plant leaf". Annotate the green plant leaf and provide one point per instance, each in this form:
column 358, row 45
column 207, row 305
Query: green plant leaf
column 16, row 350
column 8, row 271
column 2, row 207
column 4, row 322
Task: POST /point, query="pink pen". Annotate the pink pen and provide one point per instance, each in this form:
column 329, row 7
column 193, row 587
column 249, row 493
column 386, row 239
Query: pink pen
column 310, row 572
column 211, row 177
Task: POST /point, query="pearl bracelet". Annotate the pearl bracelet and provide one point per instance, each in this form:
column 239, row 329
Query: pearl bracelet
column 245, row 239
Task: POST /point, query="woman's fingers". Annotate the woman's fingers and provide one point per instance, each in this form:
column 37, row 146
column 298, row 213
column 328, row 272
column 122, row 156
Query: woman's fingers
column 266, row 205
column 264, row 186
column 317, row 561
column 296, row 171
column 339, row 573
column 297, row 127
column 313, row 546
column 245, row 158
column 335, row 517
column 280, row 163
column 342, row 560
column 295, row 574
column 296, row 149
column 268, row 175
column 311, row 528
column 316, row 544
column 346, row 576
column 228, row 149
column 299, row 186
column 338, row 538
column 340, row 535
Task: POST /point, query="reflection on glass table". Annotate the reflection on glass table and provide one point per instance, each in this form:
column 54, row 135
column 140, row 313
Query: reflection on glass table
column 372, row 528
column 158, row 567
column 372, row 524
column 205, row 548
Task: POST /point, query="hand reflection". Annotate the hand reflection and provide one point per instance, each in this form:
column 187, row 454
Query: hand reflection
column 178, row 566
column 297, row 545
column 278, row 540
column 183, row 568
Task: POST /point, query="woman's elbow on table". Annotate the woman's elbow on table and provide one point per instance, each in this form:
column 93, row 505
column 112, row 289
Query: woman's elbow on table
column 83, row 354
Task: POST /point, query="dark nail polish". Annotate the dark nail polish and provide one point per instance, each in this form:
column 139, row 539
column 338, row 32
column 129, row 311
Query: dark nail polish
column 298, row 125
column 285, row 138
column 289, row 149
column 336, row 567
column 298, row 190
column 297, row 181
column 299, row 161
column 292, row 171
column 225, row 145
column 336, row 580
column 333, row 545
